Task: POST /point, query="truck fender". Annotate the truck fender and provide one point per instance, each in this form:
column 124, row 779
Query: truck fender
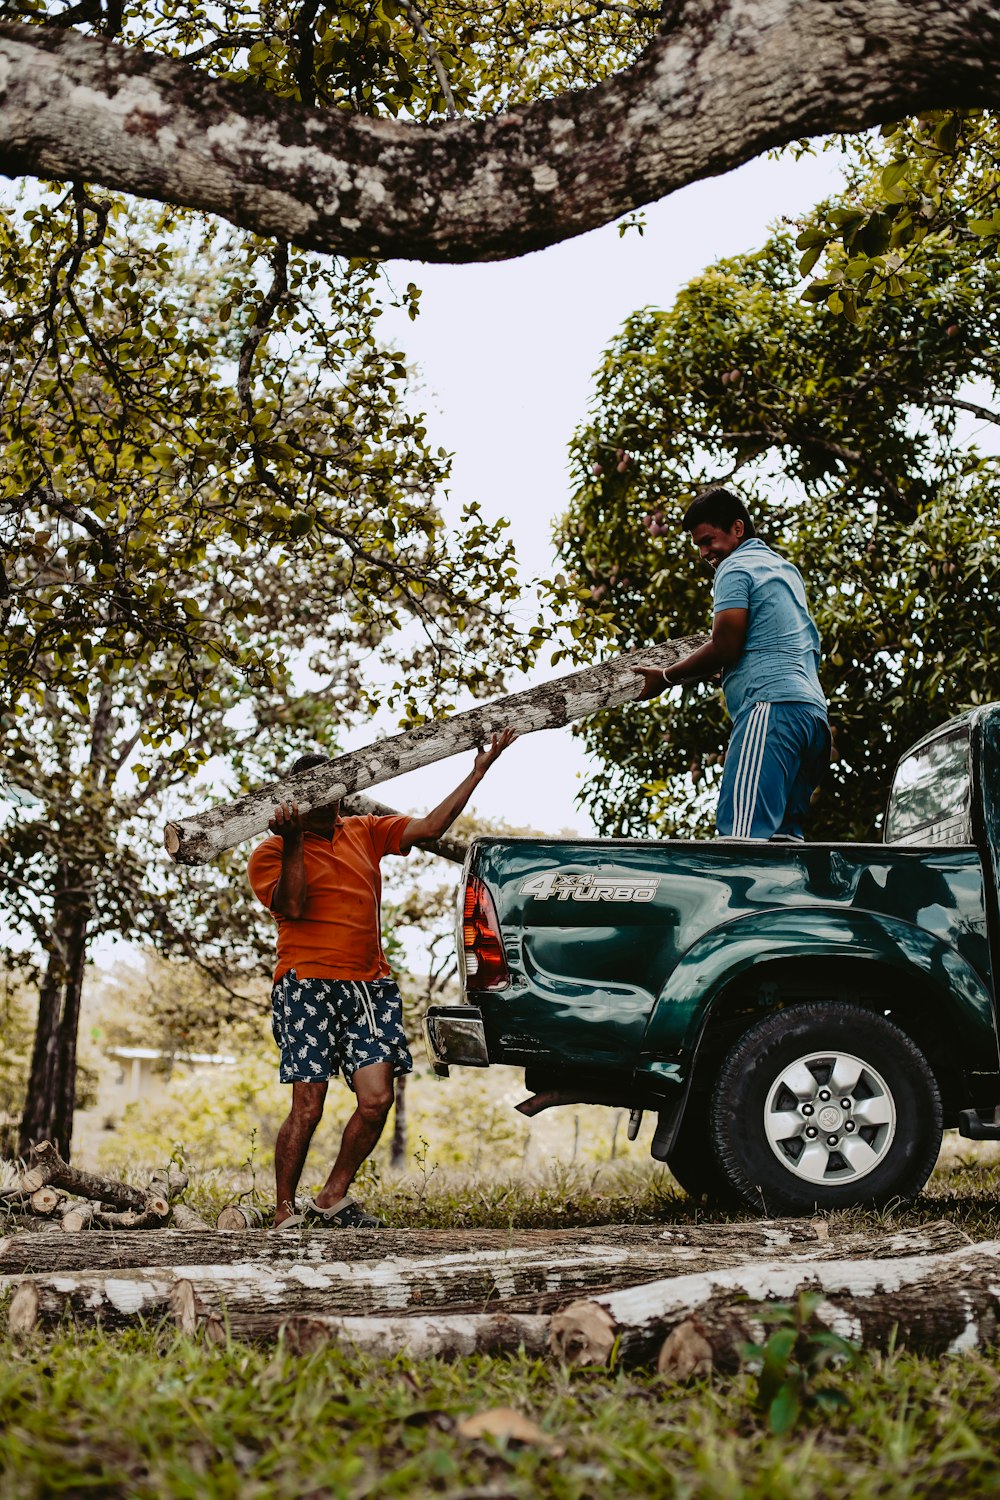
column 712, row 964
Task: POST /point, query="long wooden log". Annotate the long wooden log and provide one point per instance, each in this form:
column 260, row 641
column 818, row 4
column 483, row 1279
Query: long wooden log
column 683, row 1248
column 933, row 1304
column 194, row 840
column 256, row 1297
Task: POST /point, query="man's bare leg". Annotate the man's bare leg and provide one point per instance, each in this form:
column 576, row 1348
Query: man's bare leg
column 374, row 1091
column 292, row 1145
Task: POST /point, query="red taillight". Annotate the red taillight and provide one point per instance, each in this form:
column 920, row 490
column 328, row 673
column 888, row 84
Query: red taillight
column 485, row 964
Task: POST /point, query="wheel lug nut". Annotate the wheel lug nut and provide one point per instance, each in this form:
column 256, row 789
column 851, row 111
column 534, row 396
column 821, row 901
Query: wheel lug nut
column 824, row 1094
column 848, row 1124
column 845, row 1103
column 807, row 1109
column 831, row 1140
column 812, row 1132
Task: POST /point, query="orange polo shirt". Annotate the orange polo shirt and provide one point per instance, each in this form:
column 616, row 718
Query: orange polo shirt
column 339, row 936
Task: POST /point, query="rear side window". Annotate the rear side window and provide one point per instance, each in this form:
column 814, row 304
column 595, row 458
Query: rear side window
column 931, row 795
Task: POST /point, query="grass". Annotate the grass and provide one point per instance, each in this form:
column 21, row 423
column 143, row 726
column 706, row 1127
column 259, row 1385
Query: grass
column 150, row 1414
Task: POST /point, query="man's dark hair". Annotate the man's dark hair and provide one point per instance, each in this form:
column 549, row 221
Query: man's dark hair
column 718, row 507
column 306, row 763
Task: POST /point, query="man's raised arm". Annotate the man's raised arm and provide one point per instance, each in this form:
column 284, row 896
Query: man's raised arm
column 434, row 824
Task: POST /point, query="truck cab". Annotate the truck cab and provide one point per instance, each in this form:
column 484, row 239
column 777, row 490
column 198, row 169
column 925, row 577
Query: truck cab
column 802, row 1019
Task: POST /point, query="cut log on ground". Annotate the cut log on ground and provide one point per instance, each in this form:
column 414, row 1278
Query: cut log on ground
column 684, row 1248
column 153, row 1216
column 194, row 840
column 445, row 1335
column 168, row 1182
column 48, row 1168
column 931, row 1304
column 79, row 1216
column 185, row 1219
column 240, row 1216
column 44, row 1201
column 255, row 1298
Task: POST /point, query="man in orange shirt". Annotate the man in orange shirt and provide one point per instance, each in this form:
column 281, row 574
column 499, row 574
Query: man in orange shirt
column 334, row 1005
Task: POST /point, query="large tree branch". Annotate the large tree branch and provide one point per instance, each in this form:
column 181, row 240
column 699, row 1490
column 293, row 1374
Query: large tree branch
column 729, row 80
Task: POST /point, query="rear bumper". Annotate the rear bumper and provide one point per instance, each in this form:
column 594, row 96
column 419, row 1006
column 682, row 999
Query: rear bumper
column 456, row 1034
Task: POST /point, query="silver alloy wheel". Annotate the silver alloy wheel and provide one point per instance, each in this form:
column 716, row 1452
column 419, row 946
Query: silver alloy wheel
column 830, row 1118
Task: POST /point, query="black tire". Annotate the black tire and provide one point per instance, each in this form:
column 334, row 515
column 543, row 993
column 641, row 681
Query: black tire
column 693, row 1160
column 883, row 1163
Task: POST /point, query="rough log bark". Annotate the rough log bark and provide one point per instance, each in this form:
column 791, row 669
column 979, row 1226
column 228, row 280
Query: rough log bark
column 934, row 1304
column 723, row 82
column 194, row 840
column 48, row 1167
column 682, row 1248
column 255, row 1297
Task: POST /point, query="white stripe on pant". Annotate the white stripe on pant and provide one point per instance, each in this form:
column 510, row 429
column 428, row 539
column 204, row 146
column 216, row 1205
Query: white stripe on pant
column 747, row 779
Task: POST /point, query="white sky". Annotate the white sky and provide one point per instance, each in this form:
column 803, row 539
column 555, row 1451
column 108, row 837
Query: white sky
column 506, row 352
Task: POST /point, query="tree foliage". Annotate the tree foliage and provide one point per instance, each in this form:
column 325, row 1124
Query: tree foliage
column 219, row 510
column 850, row 440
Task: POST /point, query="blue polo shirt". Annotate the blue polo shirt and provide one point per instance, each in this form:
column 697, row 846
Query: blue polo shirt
column 780, row 660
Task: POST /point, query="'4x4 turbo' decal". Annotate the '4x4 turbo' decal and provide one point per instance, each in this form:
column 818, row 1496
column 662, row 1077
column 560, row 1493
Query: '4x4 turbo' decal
column 563, row 885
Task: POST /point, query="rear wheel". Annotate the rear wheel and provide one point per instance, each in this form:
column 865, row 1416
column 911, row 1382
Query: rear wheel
column 824, row 1106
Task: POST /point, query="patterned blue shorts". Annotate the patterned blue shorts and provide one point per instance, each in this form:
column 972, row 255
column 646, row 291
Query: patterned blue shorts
column 329, row 1026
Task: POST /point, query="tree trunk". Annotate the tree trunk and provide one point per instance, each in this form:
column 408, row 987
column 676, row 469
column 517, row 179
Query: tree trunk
column 397, row 1146
column 194, row 840
column 50, row 1100
column 723, row 81
column 678, row 1250
column 932, row 1304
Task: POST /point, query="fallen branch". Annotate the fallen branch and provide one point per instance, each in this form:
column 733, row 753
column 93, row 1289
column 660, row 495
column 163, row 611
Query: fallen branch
column 932, row 1304
column 48, row 1168
column 192, row 841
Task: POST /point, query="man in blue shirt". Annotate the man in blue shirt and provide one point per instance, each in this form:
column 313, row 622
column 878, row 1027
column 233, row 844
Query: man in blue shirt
column 766, row 646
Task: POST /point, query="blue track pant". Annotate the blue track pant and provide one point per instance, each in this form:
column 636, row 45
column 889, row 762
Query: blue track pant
column 776, row 756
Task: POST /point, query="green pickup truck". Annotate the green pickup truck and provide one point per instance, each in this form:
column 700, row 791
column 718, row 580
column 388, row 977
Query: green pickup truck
column 803, row 1019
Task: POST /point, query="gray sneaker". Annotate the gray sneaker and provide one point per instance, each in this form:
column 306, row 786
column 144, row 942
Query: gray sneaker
column 347, row 1214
